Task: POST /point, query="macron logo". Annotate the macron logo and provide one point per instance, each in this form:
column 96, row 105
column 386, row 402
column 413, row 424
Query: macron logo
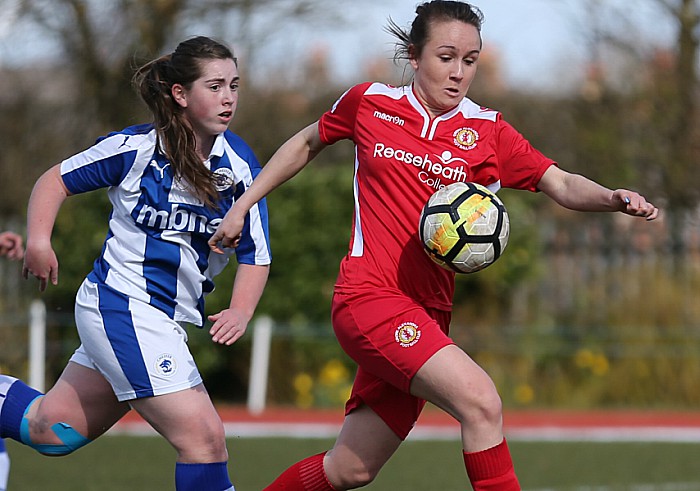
column 389, row 118
column 176, row 219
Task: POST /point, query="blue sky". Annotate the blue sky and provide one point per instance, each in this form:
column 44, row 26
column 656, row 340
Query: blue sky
column 530, row 36
column 541, row 43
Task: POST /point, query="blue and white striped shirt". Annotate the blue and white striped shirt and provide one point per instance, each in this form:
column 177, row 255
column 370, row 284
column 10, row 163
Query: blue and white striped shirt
column 156, row 248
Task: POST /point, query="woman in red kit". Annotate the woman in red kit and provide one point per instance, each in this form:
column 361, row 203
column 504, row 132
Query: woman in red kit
column 392, row 305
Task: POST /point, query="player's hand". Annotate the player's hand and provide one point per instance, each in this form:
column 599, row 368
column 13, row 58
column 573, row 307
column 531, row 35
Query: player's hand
column 40, row 261
column 634, row 204
column 11, row 246
column 228, row 233
column 229, row 326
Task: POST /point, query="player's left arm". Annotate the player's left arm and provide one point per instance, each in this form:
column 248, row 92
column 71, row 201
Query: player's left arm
column 579, row 193
column 231, row 323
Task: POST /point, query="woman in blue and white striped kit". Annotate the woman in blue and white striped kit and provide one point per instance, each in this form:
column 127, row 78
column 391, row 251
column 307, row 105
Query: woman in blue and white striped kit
column 12, row 248
column 4, row 466
column 170, row 183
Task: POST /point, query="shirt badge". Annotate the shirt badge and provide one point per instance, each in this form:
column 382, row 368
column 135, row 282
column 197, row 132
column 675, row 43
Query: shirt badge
column 466, row 138
column 223, row 177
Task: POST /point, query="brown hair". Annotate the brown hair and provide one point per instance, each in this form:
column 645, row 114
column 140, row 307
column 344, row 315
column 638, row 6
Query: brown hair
column 410, row 44
column 176, row 139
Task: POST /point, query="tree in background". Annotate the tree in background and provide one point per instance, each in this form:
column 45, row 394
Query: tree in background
column 52, row 109
column 645, row 97
column 635, row 125
column 84, row 91
column 681, row 102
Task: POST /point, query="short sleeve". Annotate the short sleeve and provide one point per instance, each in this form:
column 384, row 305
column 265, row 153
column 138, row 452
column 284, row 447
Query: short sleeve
column 339, row 122
column 521, row 165
column 103, row 165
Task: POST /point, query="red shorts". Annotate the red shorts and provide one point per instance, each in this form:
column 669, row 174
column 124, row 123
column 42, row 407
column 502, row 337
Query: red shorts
column 390, row 337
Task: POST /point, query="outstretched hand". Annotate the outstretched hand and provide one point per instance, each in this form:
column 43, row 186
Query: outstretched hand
column 634, row 204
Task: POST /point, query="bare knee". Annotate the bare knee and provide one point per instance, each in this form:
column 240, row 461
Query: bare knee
column 482, row 409
column 349, row 473
column 203, row 441
column 51, row 433
column 42, row 417
column 455, row 383
column 189, row 422
column 474, row 402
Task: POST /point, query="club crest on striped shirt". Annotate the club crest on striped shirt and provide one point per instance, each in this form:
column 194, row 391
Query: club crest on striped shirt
column 223, row 177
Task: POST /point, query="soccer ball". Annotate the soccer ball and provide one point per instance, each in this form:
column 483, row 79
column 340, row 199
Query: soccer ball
column 464, row 227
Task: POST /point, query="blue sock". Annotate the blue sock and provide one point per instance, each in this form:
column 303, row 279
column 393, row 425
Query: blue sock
column 202, row 477
column 15, row 403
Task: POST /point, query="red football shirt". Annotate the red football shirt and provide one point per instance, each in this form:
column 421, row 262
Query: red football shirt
column 401, row 158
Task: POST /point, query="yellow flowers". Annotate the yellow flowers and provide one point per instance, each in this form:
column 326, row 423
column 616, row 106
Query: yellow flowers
column 303, row 384
column 330, row 388
column 524, row 394
column 597, row 363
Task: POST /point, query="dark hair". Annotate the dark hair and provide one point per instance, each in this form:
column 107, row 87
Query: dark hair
column 176, row 138
column 410, row 44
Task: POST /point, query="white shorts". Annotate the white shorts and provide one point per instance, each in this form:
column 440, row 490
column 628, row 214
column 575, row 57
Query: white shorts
column 136, row 347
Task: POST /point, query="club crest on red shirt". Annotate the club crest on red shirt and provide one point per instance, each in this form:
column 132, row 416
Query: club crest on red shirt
column 466, row 138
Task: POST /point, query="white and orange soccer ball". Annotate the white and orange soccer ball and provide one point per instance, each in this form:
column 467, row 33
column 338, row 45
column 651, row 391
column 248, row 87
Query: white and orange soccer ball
column 464, row 227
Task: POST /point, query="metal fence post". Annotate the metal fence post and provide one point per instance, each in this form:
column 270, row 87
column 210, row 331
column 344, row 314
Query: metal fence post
column 37, row 345
column 259, row 364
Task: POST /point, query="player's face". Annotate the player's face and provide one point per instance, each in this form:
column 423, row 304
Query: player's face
column 447, row 65
column 210, row 103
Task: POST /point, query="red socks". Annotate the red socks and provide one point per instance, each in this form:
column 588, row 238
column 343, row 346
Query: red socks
column 488, row 470
column 491, row 469
column 306, row 475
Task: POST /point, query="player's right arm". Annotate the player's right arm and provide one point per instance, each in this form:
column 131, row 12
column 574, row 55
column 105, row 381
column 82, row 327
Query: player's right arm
column 46, row 199
column 289, row 160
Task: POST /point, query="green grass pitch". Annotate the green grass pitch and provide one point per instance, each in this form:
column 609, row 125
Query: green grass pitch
column 147, row 463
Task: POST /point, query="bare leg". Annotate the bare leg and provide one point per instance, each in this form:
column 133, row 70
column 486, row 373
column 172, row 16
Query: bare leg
column 85, row 400
column 364, row 445
column 451, row 380
column 189, row 421
column 81, row 398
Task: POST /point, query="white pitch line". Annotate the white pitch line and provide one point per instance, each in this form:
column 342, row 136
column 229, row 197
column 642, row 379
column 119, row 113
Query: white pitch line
column 427, row 432
column 607, row 434
column 665, row 486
